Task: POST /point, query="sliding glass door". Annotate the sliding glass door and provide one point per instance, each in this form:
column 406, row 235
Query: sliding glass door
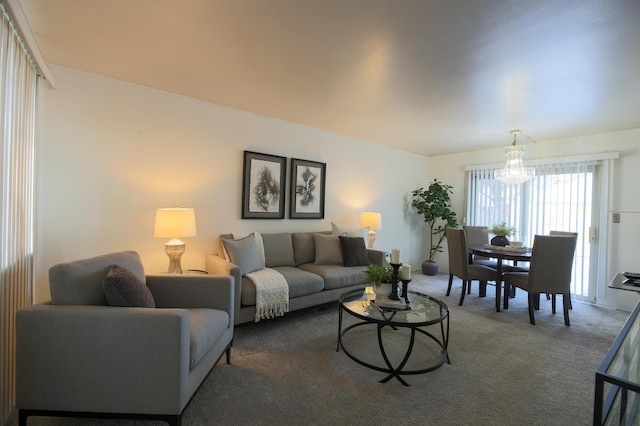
column 561, row 197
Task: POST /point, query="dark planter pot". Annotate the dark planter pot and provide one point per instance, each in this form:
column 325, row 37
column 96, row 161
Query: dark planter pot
column 500, row 240
column 429, row 267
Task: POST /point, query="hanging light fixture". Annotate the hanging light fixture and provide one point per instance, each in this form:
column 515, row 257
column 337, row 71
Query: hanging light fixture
column 514, row 172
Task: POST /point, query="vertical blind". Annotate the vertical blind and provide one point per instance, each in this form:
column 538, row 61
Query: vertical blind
column 560, row 197
column 18, row 84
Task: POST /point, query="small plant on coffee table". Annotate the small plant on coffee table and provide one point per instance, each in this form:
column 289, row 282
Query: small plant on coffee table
column 377, row 274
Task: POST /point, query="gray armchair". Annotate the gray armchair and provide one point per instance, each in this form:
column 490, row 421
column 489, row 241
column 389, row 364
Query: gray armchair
column 78, row 356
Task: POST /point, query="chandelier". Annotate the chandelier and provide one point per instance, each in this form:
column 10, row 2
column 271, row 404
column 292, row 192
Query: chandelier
column 514, row 172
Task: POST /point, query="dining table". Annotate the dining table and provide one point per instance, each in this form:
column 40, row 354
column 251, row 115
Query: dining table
column 516, row 254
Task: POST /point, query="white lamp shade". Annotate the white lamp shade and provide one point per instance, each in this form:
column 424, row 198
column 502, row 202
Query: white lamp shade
column 371, row 220
column 175, row 223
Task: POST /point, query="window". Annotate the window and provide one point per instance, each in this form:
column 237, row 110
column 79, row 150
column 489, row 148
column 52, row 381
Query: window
column 18, row 84
column 563, row 196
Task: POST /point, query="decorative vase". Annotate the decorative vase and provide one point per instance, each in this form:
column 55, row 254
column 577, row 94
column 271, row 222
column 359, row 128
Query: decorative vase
column 383, row 290
column 500, row 240
column 429, row 267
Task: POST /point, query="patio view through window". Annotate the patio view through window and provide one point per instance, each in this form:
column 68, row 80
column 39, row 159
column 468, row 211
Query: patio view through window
column 561, row 197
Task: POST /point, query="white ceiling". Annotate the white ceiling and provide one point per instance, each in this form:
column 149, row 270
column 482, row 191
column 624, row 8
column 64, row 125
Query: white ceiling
column 426, row 76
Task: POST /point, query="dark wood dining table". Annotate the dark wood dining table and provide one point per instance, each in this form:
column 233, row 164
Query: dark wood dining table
column 500, row 254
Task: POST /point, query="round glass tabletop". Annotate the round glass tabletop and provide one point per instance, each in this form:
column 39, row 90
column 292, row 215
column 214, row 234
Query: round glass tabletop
column 422, row 310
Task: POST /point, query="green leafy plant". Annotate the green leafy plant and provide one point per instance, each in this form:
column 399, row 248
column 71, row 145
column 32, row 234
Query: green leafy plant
column 434, row 204
column 377, row 274
column 501, row 229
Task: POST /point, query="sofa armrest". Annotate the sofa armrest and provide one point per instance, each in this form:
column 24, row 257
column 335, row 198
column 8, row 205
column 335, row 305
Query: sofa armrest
column 377, row 257
column 217, row 265
column 101, row 358
column 193, row 291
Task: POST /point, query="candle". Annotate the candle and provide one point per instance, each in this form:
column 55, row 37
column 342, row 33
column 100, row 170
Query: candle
column 406, row 272
column 395, row 255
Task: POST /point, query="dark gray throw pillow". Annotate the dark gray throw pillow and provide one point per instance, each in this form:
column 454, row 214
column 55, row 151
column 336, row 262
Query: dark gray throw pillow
column 122, row 288
column 354, row 252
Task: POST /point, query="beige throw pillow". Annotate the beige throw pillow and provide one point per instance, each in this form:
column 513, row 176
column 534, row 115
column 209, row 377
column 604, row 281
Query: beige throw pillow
column 328, row 251
column 348, row 231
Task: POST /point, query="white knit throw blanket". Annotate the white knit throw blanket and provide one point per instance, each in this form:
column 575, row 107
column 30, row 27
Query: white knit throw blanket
column 272, row 293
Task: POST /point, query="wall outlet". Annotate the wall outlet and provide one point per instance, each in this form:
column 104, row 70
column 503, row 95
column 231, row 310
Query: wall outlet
column 616, row 218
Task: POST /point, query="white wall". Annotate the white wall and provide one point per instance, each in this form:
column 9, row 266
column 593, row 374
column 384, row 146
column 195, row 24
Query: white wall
column 110, row 153
column 622, row 240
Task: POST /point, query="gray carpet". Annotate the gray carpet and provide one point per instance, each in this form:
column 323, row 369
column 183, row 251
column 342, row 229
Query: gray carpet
column 503, row 370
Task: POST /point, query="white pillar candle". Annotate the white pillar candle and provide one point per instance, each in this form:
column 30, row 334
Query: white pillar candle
column 395, row 255
column 406, row 272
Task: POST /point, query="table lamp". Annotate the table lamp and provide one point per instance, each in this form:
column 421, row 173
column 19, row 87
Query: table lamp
column 175, row 223
column 373, row 221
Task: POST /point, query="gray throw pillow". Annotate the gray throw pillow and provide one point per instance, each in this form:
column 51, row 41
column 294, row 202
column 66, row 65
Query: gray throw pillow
column 354, row 252
column 122, row 288
column 328, row 251
column 244, row 253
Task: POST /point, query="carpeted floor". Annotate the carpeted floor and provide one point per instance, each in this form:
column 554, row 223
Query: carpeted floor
column 503, row 370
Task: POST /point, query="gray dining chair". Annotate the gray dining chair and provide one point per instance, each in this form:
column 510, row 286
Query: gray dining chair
column 476, row 236
column 459, row 264
column 549, row 272
column 574, row 234
column 524, row 267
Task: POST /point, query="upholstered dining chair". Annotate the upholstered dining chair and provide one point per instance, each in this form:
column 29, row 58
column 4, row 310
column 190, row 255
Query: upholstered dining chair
column 459, row 263
column 574, row 234
column 478, row 235
column 524, row 267
column 549, row 272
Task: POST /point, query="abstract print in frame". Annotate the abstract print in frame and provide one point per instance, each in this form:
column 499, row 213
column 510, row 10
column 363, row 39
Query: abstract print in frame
column 306, row 195
column 263, row 186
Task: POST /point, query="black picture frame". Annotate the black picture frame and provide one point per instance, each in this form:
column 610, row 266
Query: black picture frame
column 307, row 189
column 263, row 186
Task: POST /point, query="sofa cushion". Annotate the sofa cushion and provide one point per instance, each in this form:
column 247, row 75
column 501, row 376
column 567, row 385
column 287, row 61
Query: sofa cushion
column 328, row 251
column 300, row 283
column 336, row 276
column 123, row 288
column 244, row 253
column 278, row 249
column 206, row 326
column 80, row 282
column 354, row 252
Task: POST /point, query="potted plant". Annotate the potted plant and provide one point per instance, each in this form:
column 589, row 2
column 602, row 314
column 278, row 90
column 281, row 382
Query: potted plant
column 502, row 233
column 380, row 278
column 434, row 204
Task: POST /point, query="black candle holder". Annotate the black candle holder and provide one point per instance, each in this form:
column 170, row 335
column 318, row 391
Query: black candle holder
column 405, row 295
column 394, row 282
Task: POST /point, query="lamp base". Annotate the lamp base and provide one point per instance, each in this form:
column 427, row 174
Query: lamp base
column 174, row 249
column 371, row 237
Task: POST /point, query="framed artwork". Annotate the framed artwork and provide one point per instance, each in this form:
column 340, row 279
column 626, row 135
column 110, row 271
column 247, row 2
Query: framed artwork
column 306, row 195
column 263, row 186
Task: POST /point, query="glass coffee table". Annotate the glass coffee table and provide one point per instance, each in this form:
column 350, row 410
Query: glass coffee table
column 423, row 311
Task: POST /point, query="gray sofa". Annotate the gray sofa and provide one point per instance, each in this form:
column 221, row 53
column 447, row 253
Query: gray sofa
column 314, row 277
column 79, row 356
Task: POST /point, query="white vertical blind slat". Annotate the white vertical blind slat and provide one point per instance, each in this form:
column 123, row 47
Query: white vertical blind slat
column 18, row 90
